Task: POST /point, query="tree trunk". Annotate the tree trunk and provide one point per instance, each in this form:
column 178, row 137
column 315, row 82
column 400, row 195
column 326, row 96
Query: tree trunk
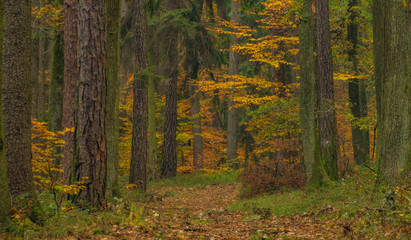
column 42, row 73
column 327, row 118
column 112, row 9
column 169, row 165
column 356, row 90
column 57, row 81
column 4, row 182
column 392, row 67
column 138, row 164
column 16, row 91
column 232, row 121
column 90, row 156
column 152, row 144
column 70, row 79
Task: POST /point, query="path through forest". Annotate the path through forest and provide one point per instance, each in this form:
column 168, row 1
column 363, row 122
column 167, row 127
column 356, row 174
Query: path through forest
column 200, row 213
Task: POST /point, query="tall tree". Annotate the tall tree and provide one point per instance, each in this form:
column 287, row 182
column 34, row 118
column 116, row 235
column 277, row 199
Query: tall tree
column 42, row 60
column 55, row 112
column 326, row 117
column 4, row 182
column 70, row 79
column 356, row 89
column 232, row 120
column 138, row 164
column 392, row 80
column 16, row 93
column 169, row 164
column 312, row 162
column 90, row 157
column 112, row 9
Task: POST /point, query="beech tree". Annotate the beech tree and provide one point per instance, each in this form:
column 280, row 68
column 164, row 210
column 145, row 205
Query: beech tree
column 90, row 157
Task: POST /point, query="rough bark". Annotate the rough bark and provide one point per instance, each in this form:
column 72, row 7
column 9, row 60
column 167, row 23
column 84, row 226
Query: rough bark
column 138, row 164
column 152, row 143
column 112, row 9
column 392, row 67
column 232, row 120
column 169, row 164
column 356, row 89
column 55, row 112
column 4, row 187
column 70, row 79
column 16, row 94
column 90, row 156
column 326, row 116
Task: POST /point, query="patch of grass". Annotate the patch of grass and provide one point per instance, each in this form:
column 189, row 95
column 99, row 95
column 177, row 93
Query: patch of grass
column 198, row 180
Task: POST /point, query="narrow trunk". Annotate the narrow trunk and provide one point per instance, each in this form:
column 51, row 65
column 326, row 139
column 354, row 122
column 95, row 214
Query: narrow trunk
column 112, row 9
column 138, row 163
column 232, row 121
column 195, row 111
column 55, row 112
column 4, row 187
column 169, row 164
column 392, row 66
column 90, row 150
column 356, row 90
column 70, row 79
column 327, row 118
column 16, row 93
column 152, row 144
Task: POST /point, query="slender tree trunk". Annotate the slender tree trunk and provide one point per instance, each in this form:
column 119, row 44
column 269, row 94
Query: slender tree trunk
column 90, row 156
column 392, row 67
column 112, row 9
column 356, row 90
column 152, row 144
column 327, row 118
column 42, row 73
column 55, row 112
column 70, row 79
column 138, row 164
column 169, row 165
column 16, row 93
column 232, row 121
column 195, row 111
column 4, row 182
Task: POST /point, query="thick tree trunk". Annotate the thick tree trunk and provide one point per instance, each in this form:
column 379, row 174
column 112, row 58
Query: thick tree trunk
column 112, row 9
column 169, row 165
column 16, row 93
column 70, row 79
column 326, row 117
column 392, row 67
column 90, row 156
column 4, row 182
column 356, row 90
column 232, row 121
column 55, row 112
column 138, row 164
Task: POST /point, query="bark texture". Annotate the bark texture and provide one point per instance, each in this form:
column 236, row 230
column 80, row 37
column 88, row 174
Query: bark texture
column 169, row 164
column 326, row 114
column 392, row 69
column 70, row 79
column 112, row 9
column 232, row 120
column 138, row 164
column 90, row 144
column 4, row 182
column 356, row 90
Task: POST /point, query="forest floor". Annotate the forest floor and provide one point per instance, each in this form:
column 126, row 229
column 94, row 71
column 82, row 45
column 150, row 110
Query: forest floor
column 208, row 206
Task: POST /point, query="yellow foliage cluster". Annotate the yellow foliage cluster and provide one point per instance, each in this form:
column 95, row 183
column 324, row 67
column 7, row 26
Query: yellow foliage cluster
column 49, row 15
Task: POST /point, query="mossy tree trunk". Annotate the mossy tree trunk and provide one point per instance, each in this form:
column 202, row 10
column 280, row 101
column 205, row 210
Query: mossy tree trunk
column 4, row 182
column 232, row 120
column 326, row 112
column 138, row 163
column 90, row 157
column 356, row 89
column 55, row 112
column 16, row 94
column 112, row 9
column 392, row 76
column 70, row 79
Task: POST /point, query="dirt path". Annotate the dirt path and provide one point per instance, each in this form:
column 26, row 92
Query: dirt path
column 192, row 213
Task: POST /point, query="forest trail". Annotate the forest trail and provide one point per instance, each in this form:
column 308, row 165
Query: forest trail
column 200, row 213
